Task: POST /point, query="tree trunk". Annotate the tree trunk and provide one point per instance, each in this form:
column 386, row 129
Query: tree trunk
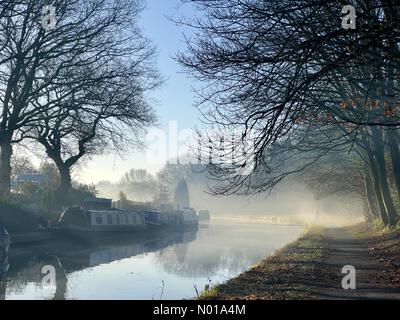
column 64, row 190
column 377, row 189
column 383, row 180
column 370, row 197
column 387, row 198
column 5, row 168
column 395, row 156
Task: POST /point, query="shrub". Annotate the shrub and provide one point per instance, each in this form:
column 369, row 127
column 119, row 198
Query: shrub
column 15, row 219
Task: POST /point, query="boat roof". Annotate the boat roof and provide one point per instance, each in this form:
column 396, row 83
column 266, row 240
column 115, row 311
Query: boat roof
column 112, row 211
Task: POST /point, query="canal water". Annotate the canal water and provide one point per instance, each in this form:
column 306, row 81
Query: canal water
column 169, row 265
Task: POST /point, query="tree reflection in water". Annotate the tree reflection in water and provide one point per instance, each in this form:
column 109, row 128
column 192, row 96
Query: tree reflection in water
column 3, row 273
column 27, row 268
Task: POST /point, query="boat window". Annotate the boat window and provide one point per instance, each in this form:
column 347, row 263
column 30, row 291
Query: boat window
column 118, row 220
column 99, row 219
column 109, row 219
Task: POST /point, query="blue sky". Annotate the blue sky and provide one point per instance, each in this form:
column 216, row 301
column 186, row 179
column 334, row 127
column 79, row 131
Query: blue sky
column 173, row 102
column 176, row 97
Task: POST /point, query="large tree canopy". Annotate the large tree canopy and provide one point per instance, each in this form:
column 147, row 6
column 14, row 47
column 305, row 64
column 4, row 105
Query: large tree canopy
column 81, row 81
column 286, row 77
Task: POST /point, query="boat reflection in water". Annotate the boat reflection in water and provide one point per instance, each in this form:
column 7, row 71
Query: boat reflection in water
column 22, row 269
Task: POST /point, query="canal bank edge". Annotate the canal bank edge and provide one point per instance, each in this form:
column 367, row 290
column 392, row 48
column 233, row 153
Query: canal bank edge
column 311, row 268
column 277, row 276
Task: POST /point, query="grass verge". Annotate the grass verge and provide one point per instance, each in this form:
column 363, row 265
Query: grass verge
column 287, row 274
column 384, row 246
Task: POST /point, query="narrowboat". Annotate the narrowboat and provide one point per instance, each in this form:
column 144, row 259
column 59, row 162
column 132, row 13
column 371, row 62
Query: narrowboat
column 167, row 219
column 186, row 217
column 156, row 219
column 204, row 215
column 97, row 217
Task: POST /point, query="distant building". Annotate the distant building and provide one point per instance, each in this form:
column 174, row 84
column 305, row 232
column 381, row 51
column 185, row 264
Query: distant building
column 36, row 178
column 181, row 195
column 32, row 178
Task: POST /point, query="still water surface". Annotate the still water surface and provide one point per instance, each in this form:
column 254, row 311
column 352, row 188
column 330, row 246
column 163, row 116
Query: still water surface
column 166, row 266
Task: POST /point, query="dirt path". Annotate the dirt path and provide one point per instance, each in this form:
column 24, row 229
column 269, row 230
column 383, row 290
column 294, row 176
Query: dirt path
column 343, row 248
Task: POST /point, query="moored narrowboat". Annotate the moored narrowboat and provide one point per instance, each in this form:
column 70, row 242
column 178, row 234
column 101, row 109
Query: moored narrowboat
column 187, row 217
column 97, row 217
column 204, row 215
column 156, row 219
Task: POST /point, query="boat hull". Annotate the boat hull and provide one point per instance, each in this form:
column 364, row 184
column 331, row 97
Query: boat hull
column 97, row 235
column 85, row 234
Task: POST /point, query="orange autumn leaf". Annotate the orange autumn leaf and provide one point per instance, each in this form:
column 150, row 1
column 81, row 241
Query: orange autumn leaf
column 343, row 105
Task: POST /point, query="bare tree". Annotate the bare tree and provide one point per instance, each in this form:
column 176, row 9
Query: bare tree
column 107, row 112
column 34, row 61
column 290, row 80
column 139, row 184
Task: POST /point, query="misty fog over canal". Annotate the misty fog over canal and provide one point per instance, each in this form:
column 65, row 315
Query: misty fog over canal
column 167, row 266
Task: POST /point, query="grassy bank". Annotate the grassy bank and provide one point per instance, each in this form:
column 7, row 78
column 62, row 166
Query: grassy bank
column 279, row 276
column 384, row 246
column 310, row 268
